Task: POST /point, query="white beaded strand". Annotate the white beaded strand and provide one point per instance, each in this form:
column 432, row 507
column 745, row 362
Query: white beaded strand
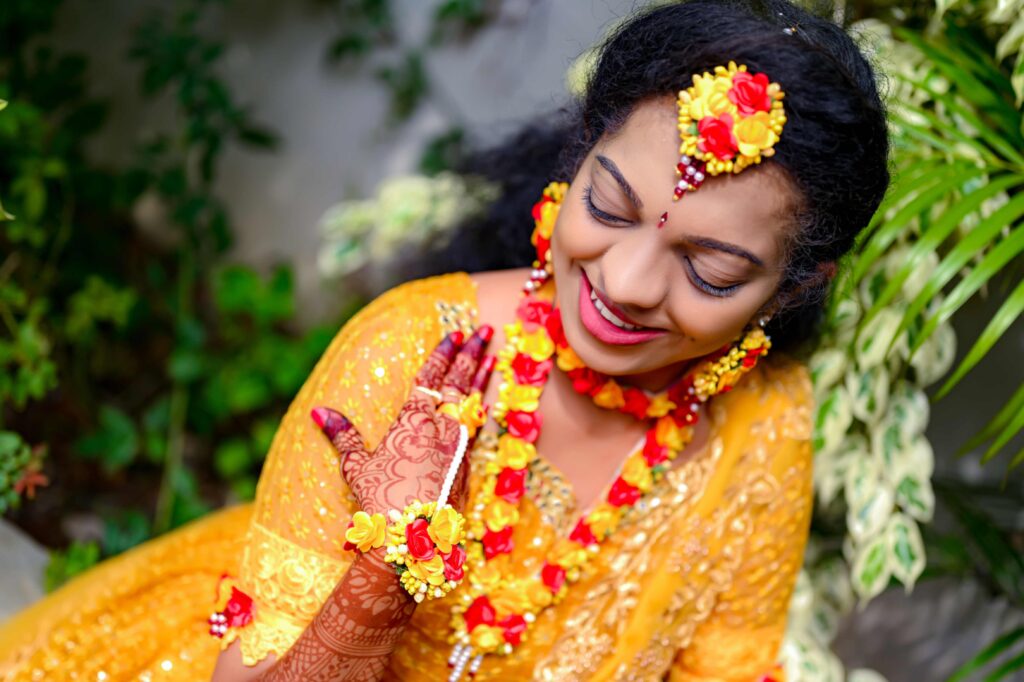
column 453, row 468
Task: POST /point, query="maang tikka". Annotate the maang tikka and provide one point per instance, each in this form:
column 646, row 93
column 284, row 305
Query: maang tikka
column 729, row 120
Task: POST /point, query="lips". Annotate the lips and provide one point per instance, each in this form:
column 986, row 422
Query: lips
column 608, row 324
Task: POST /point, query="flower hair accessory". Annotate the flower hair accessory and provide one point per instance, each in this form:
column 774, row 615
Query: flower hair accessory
column 728, row 120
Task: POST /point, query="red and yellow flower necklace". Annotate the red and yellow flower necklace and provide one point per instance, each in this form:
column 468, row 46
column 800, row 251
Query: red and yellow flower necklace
column 494, row 611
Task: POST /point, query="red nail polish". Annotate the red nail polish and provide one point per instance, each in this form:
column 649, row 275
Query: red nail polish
column 488, row 363
column 486, row 332
column 457, row 337
column 320, row 415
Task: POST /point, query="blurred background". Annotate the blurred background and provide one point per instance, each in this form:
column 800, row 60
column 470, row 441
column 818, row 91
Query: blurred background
column 195, row 195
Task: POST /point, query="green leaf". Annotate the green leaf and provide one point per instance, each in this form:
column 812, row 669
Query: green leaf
column 1008, row 312
column 1012, row 407
column 1011, row 430
column 989, row 653
column 967, row 248
column 906, row 549
column 932, row 237
column 232, row 458
column 114, row 442
column 871, row 571
column 990, row 266
column 945, row 182
column 1015, row 664
column 65, row 565
column 991, row 550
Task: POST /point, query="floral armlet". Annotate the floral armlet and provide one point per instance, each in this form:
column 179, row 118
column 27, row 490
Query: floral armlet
column 424, row 543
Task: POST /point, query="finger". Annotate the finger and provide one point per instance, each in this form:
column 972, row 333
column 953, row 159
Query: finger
column 432, row 373
column 483, row 374
column 463, row 369
column 342, row 434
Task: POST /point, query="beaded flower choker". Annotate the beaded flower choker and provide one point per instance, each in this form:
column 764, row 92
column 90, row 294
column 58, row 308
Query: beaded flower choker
column 495, row 607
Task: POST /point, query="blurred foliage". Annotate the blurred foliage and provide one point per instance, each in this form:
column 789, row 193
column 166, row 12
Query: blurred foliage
column 146, row 364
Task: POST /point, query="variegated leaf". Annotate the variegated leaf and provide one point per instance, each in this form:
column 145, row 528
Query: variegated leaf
column 863, row 478
column 935, row 356
column 906, row 549
column 832, row 420
column 869, row 392
column 871, row 569
column 908, row 407
column 826, row 367
column 915, row 496
column 867, row 519
column 874, row 338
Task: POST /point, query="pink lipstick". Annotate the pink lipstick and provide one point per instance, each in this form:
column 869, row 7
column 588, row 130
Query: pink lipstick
column 614, row 331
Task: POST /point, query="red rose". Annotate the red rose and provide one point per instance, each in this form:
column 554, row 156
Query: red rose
column 654, row 454
column 533, row 312
column 582, row 534
column 530, row 372
column 622, row 494
column 348, row 545
column 750, row 361
column 679, row 392
column 514, row 626
column 636, row 403
column 555, row 330
column 453, row 562
column 538, row 208
column 480, row 612
column 497, row 543
column 511, row 484
column 749, row 92
column 421, row 547
column 239, row 609
column 542, row 249
column 586, row 380
column 716, row 137
column 553, row 576
column 524, row 425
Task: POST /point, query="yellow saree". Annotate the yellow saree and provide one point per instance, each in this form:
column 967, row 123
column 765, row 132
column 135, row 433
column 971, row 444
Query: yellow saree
column 694, row 585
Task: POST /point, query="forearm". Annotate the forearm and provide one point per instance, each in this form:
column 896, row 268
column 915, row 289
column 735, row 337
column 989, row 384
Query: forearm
column 356, row 630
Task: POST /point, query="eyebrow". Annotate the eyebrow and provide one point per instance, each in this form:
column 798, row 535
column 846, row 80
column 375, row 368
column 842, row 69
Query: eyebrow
column 610, row 166
column 709, row 243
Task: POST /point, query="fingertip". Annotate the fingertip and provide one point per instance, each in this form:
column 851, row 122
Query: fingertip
column 488, row 364
column 319, row 415
column 486, row 332
column 331, row 422
column 457, row 337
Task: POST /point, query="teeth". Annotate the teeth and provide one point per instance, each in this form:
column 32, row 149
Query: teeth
column 609, row 315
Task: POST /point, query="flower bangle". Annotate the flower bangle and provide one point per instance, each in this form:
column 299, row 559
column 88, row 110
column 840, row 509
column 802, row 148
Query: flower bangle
column 423, row 543
column 470, row 412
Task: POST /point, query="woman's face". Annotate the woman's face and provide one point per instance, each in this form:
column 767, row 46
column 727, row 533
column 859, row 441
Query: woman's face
column 641, row 301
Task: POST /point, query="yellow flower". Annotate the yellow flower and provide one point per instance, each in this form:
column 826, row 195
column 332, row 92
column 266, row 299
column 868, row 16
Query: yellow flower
column 610, row 396
column 446, row 528
column 603, row 519
column 469, row 411
column 539, row 594
column 548, row 218
column 668, row 433
column 367, row 532
column 515, row 453
column 513, row 598
column 537, row 345
column 711, row 97
column 754, row 133
column 500, row 514
column 487, row 638
column 568, row 554
column 636, row 473
column 660, row 406
column 487, row 576
column 521, row 398
column 567, row 360
column 430, row 571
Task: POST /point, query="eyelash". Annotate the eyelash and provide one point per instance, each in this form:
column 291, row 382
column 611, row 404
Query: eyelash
column 615, row 221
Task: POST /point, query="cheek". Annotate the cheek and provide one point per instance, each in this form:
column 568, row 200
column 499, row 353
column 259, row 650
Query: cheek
column 710, row 323
column 575, row 236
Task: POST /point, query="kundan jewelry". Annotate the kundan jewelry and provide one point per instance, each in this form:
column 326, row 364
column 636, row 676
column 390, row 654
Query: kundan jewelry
column 494, row 609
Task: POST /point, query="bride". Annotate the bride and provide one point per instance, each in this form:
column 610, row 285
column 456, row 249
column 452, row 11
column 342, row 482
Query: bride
column 634, row 501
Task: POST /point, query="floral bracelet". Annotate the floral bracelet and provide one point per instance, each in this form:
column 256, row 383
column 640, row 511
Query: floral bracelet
column 423, row 543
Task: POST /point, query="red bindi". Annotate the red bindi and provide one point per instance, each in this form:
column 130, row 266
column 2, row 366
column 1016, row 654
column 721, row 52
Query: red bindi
column 664, row 219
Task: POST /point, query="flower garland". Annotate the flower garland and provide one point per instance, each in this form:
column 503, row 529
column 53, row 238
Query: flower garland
column 495, row 610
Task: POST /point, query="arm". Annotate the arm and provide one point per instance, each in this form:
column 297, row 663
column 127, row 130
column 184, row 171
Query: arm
column 294, row 567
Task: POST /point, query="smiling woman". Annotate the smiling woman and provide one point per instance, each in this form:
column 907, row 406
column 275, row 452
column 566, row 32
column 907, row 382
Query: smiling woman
column 637, row 502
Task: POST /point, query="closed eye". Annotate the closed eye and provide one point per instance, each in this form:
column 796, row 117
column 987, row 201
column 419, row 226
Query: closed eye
column 598, row 214
column 708, row 287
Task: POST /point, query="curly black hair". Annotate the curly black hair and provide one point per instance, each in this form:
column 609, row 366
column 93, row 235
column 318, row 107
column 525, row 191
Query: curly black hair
column 834, row 151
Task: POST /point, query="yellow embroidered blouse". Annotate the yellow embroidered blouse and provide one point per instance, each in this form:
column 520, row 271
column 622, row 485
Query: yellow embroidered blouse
column 693, row 586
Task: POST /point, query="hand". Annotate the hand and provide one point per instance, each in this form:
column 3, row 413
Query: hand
column 411, row 461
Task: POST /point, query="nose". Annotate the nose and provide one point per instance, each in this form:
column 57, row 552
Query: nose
column 635, row 271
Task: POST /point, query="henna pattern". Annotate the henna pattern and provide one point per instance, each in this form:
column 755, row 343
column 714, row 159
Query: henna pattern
column 356, row 630
column 360, row 624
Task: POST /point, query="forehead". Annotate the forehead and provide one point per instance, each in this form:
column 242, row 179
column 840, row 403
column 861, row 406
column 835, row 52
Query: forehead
column 752, row 208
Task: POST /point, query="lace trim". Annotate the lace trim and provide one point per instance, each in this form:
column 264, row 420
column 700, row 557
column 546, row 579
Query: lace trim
column 288, row 584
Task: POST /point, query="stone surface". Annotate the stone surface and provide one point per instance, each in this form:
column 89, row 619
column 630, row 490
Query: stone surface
column 22, row 563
